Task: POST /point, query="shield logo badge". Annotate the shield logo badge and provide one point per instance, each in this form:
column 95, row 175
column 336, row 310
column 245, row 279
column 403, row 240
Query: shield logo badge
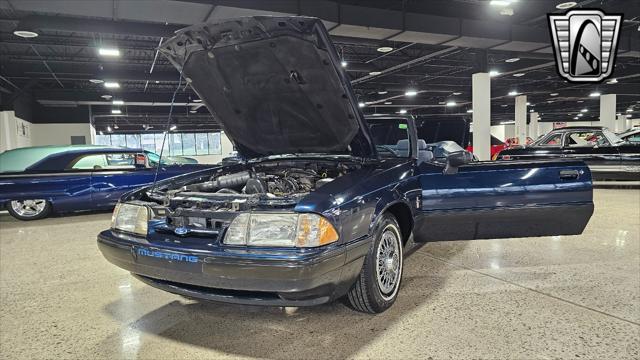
column 585, row 43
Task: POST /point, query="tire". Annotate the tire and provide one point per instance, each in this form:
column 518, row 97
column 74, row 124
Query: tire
column 29, row 209
column 372, row 292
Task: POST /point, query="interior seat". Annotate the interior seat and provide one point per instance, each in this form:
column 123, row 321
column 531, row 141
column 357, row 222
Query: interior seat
column 424, row 154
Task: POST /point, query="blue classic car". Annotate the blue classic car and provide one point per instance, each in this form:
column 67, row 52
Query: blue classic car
column 324, row 200
column 37, row 181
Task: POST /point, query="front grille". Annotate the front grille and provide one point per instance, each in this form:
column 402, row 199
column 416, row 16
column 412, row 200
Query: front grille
column 210, row 224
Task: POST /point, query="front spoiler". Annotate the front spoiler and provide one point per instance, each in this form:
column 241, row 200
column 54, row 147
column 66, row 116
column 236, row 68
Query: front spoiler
column 311, row 278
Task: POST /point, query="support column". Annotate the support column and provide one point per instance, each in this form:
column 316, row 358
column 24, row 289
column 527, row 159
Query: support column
column 608, row 111
column 521, row 119
column 533, row 125
column 481, row 99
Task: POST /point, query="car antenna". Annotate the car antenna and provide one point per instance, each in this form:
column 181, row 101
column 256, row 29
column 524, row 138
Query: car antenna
column 166, row 129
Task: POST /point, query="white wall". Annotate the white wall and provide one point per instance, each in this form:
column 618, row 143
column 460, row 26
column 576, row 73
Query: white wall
column 14, row 132
column 503, row 132
column 60, row 134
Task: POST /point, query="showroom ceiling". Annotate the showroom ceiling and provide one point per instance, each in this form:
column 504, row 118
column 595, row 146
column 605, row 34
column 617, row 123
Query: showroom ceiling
column 433, row 48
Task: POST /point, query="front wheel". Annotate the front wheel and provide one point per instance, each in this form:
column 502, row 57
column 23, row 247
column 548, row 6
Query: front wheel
column 29, row 209
column 376, row 289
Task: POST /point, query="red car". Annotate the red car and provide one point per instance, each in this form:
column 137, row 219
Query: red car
column 496, row 146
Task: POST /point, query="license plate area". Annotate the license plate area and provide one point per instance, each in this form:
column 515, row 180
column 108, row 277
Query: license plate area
column 172, row 260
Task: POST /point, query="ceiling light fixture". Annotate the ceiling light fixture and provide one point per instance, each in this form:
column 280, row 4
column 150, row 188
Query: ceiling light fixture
column 384, row 49
column 528, row 103
column 500, row 2
column 111, row 85
column 382, row 92
column 106, row 97
column 553, row 94
column 173, row 127
column 116, row 111
column 374, row 73
column 109, row 129
column 504, row 105
column 493, row 73
column 566, row 5
column 618, row 114
column 27, row 34
column 595, row 94
column 411, row 93
column 361, row 104
column 629, row 110
column 388, row 102
column 531, row 110
column 451, row 103
column 512, row 60
column 513, row 93
column 193, row 111
column 402, row 111
column 575, row 118
column 96, row 81
column 108, row 52
column 457, row 93
column 197, row 100
column 343, row 64
column 117, row 102
column 101, row 133
column 115, row 126
column 612, row 81
column 470, row 111
column 584, row 110
column 519, row 74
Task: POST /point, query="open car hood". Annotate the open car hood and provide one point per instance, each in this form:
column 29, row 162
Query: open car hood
column 275, row 84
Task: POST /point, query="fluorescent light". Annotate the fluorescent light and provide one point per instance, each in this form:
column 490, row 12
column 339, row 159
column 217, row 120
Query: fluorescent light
column 512, row 60
column 575, row 118
column 580, row 115
column 504, row 105
column 531, row 110
column 594, row 94
column 457, row 93
column 193, row 111
column 553, row 94
column 96, row 81
column 343, row 63
column 25, row 34
column 173, row 127
column 528, row 103
column 117, row 102
column 566, row 5
column 361, row 104
column 382, row 92
column 612, row 81
column 374, row 73
column 116, row 111
column 584, row 110
column 384, row 49
column 470, row 111
column 108, row 52
column 411, row 93
column 115, row 126
column 513, row 93
column 618, row 114
column 109, row 129
column 111, row 85
column 629, row 110
column 493, row 73
column 402, row 111
column 451, row 103
column 500, row 2
column 628, row 116
column 197, row 100
column 388, row 102
column 518, row 74
column 101, row 133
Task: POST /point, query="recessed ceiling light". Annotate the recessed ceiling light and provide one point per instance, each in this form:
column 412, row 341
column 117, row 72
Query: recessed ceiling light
column 361, row 104
column 575, row 118
column 384, row 49
column 629, row 110
column 519, row 74
column 580, row 101
column 115, row 126
column 504, row 105
column 402, row 111
column 116, row 111
column 584, row 110
column 109, row 129
column 618, row 114
column 374, row 73
column 470, row 111
column 512, row 60
column 343, row 63
column 173, row 127
column 457, row 93
column 612, row 81
column 117, row 102
column 553, row 94
column 628, row 115
column 197, row 100
column 494, row 73
column 382, row 92
column 25, row 34
column 531, row 110
column 388, row 102
column 528, row 103
column 193, row 111
column 411, row 93
column 566, row 5
column 108, row 52
column 500, row 2
column 111, row 85
column 513, row 93
column 106, row 97
column 451, row 103
column 594, row 94
column 579, row 115
column 96, row 81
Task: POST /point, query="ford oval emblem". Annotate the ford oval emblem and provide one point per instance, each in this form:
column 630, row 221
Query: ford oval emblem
column 181, row 230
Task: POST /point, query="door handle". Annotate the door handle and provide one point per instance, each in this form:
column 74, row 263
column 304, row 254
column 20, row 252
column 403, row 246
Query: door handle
column 569, row 174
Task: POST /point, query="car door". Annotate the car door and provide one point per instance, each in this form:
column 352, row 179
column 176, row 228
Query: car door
column 592, row 147
column 488, row 200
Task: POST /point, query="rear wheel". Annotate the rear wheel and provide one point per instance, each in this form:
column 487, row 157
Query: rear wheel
column 29, row 209
column 376, row 289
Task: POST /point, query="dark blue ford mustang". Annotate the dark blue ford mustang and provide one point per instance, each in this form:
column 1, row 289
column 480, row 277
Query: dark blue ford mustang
column 37, row 181
column 324, row 200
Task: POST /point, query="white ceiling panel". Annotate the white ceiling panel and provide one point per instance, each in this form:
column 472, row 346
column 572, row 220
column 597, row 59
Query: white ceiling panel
column 366, row 32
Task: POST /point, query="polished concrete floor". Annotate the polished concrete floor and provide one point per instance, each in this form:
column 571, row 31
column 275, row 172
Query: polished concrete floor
column 540, row 298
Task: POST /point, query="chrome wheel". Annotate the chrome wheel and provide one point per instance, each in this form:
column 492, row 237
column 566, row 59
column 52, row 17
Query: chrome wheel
column 389, row 262
column 28, row 208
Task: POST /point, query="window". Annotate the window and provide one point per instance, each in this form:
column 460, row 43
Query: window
column 634, row 138
column 91, row 162
column 390, row 137
column 105, row 161
column 176, row 144
column 586, row 139
column 553, row 140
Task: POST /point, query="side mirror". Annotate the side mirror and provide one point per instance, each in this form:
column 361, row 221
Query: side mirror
column 457, row 159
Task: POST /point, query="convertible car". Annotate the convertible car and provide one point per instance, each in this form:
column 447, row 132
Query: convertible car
column 631, row 136
column 36, row 181
column 323, row 201
column 608, row 156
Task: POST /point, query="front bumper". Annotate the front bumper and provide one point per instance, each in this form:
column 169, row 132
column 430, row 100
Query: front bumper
column 244, row 276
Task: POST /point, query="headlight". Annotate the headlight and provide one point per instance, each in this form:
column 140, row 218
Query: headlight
column 285, row 229
column 130, row 218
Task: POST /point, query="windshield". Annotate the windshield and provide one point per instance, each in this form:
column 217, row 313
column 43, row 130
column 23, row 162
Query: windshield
column 390, row 136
